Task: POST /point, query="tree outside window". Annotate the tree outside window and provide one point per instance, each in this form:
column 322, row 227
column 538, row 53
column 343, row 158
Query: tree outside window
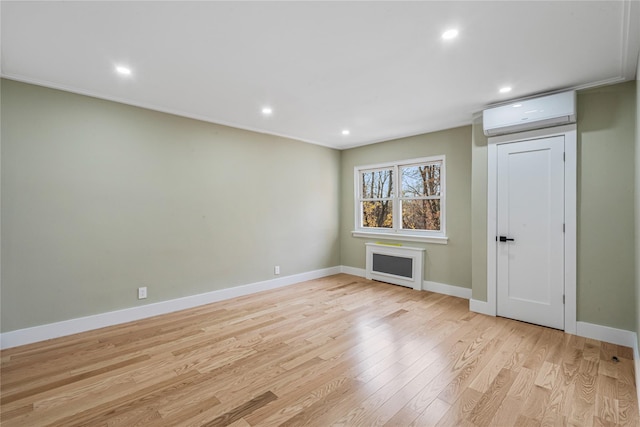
column 403, row 197
column 377, row 198
column 420, row 196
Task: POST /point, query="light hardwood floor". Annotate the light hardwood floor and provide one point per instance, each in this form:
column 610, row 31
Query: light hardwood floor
column 336, row 351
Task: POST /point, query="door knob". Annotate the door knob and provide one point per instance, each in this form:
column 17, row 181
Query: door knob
column 504, row 239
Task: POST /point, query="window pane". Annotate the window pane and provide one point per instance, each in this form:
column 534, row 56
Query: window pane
column 377, row 214
column 421, row 215
column 421, row 180
column 377, row 184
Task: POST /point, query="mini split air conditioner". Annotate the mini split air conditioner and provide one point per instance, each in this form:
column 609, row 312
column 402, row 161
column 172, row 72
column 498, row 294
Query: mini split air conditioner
column 536, row 113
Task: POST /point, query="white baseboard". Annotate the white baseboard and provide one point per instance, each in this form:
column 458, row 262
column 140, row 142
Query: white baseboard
column 360, row 272
column 441, row 288
column 607, row 334
column 482, row 307
column 583, row 329
column 83, row 324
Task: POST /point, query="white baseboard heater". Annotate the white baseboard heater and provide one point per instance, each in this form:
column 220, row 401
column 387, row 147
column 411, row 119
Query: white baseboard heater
column 400, row 265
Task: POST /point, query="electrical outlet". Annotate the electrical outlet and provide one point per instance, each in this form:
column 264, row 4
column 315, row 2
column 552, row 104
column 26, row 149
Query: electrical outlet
column 276, row 269
column 142, row 292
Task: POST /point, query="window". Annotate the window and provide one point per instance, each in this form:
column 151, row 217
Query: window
column 402, row 200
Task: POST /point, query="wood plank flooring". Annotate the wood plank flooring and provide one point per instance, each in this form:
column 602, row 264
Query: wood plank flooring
column 338, row 351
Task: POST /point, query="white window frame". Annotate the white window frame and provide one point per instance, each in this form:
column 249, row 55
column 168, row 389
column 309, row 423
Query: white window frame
column 397, row 232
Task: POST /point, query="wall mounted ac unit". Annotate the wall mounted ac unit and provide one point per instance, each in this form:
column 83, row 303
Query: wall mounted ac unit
column 536, row 113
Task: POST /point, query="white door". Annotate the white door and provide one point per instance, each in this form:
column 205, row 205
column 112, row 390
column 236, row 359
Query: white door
column 530, row 235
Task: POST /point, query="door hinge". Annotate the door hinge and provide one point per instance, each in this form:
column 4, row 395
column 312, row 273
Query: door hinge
column 563, row 299
column 564, row 226
column 564, row 157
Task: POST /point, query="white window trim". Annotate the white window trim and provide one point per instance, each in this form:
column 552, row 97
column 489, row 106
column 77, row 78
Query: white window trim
column 401, row 236
column 438, row 237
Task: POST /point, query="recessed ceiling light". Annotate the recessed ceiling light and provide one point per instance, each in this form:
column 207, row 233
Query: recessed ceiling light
column 505, row 89
column 450, row 34
column 125, row 71
column 346, row 132
column 267, row 111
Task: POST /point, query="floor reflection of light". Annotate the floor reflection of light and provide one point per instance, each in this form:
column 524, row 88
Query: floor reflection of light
column 378, row 350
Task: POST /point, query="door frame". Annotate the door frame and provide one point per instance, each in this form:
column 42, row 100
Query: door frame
column 570, row 216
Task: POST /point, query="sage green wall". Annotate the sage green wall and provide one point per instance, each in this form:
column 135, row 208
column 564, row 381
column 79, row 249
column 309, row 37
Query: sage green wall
column 99, row 198
column 449, row 264
column 479, row 178
column 606, row 176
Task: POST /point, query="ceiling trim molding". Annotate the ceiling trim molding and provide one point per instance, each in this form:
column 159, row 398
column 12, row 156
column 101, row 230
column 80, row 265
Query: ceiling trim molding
column 630, row 39
column 173, row 112
column 56, row 86
column 599, row 83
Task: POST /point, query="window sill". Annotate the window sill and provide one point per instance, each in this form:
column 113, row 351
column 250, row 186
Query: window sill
column 397, row 236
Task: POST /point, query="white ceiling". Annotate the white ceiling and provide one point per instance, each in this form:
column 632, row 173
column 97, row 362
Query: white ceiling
column 379, row 69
